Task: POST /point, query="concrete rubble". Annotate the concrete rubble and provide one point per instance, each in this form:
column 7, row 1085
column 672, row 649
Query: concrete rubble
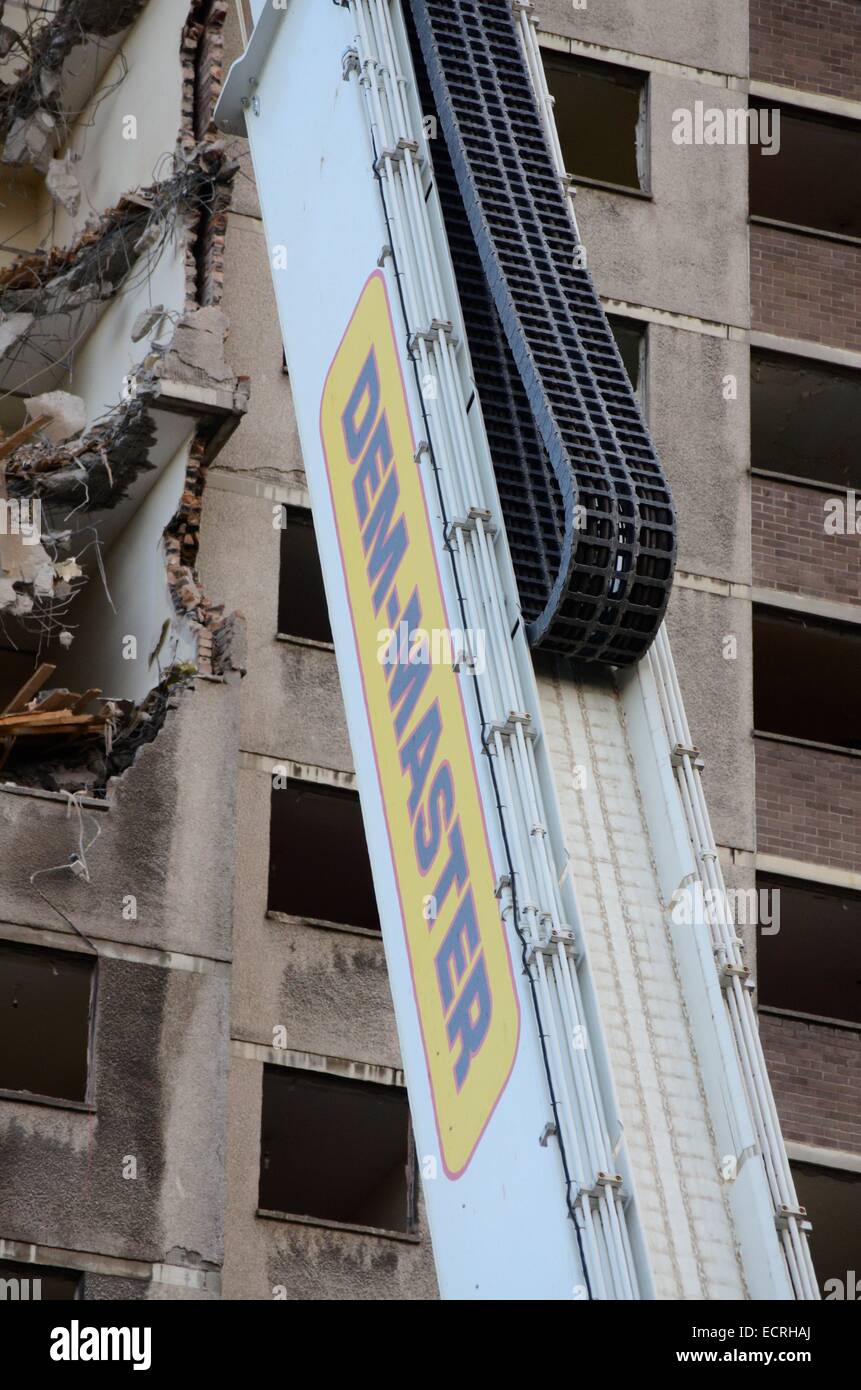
column 63, row 186
column 13, row 328
column 63, row 415
column 58, row 739
column 42, row 285
column 33, row 118
column 62, row 741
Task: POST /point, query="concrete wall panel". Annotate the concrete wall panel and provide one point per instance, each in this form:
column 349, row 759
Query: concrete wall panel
column 291, row 696
column 687, row 250
column 157, row 1032
column 718, row 695
column 267, row 445
column 302, row 1261
column 703, row 441
column 700, row 33
column 328, row 989
column 167, row 840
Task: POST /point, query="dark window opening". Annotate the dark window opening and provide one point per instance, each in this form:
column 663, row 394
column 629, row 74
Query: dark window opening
column 337, row 1150
column 806, row 678
column 44, row 1022
column 630, row 335
column 812, row 963
column 302, row 608
column 814, row 178
column 600, row 118
column 318, row 857
column 832, row 1197
column 805, row 419
column 36, row 1283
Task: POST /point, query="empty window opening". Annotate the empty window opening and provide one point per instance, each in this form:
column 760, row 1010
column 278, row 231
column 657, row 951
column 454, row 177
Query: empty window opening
column 630, row 335
column 44, row 1021
column 832, row 1197
column 805, row 419
column 600, row 116
column 806, row 678
column 813, row 179
column 302, row 609
column 337, row 1150
column 812, row 963
column 318, row 857
column 36, row 1283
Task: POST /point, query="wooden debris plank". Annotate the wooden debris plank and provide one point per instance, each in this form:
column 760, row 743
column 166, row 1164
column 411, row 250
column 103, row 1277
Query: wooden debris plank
column 36, row 718
column 85, row 699
column 80, row 723
column 21, row 436
column 58, row 699
column 30, row 688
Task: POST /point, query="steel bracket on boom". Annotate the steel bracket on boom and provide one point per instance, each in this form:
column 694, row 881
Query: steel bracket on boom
column 784, row 1215
column 507, row 727
column 503, row 885
column 728, row 973
column 680, row 752
column 468, row 522
column 559, row 936
column 350, row 64
column 604, row 1182
column 432, row 334
column 397, row 152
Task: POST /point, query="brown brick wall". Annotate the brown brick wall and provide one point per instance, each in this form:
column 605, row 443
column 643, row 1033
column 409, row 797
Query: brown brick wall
column 805, row 286
column 202, row 55
column 210, row 69
column 811, row 44
column 791, row 550
column 808, row 804
column 816, row 1077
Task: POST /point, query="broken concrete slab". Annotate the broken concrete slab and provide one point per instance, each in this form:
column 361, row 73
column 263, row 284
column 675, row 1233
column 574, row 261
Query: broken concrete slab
column 13, row 327
column 33, row 112
column 43, row 581
column 31, row 140
column 196, row 352
column 147, row 322
column 29, row 577
column 63, row 186
column 68, row 569
column 66, row 414
column 97, row 468
column 105, row 17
